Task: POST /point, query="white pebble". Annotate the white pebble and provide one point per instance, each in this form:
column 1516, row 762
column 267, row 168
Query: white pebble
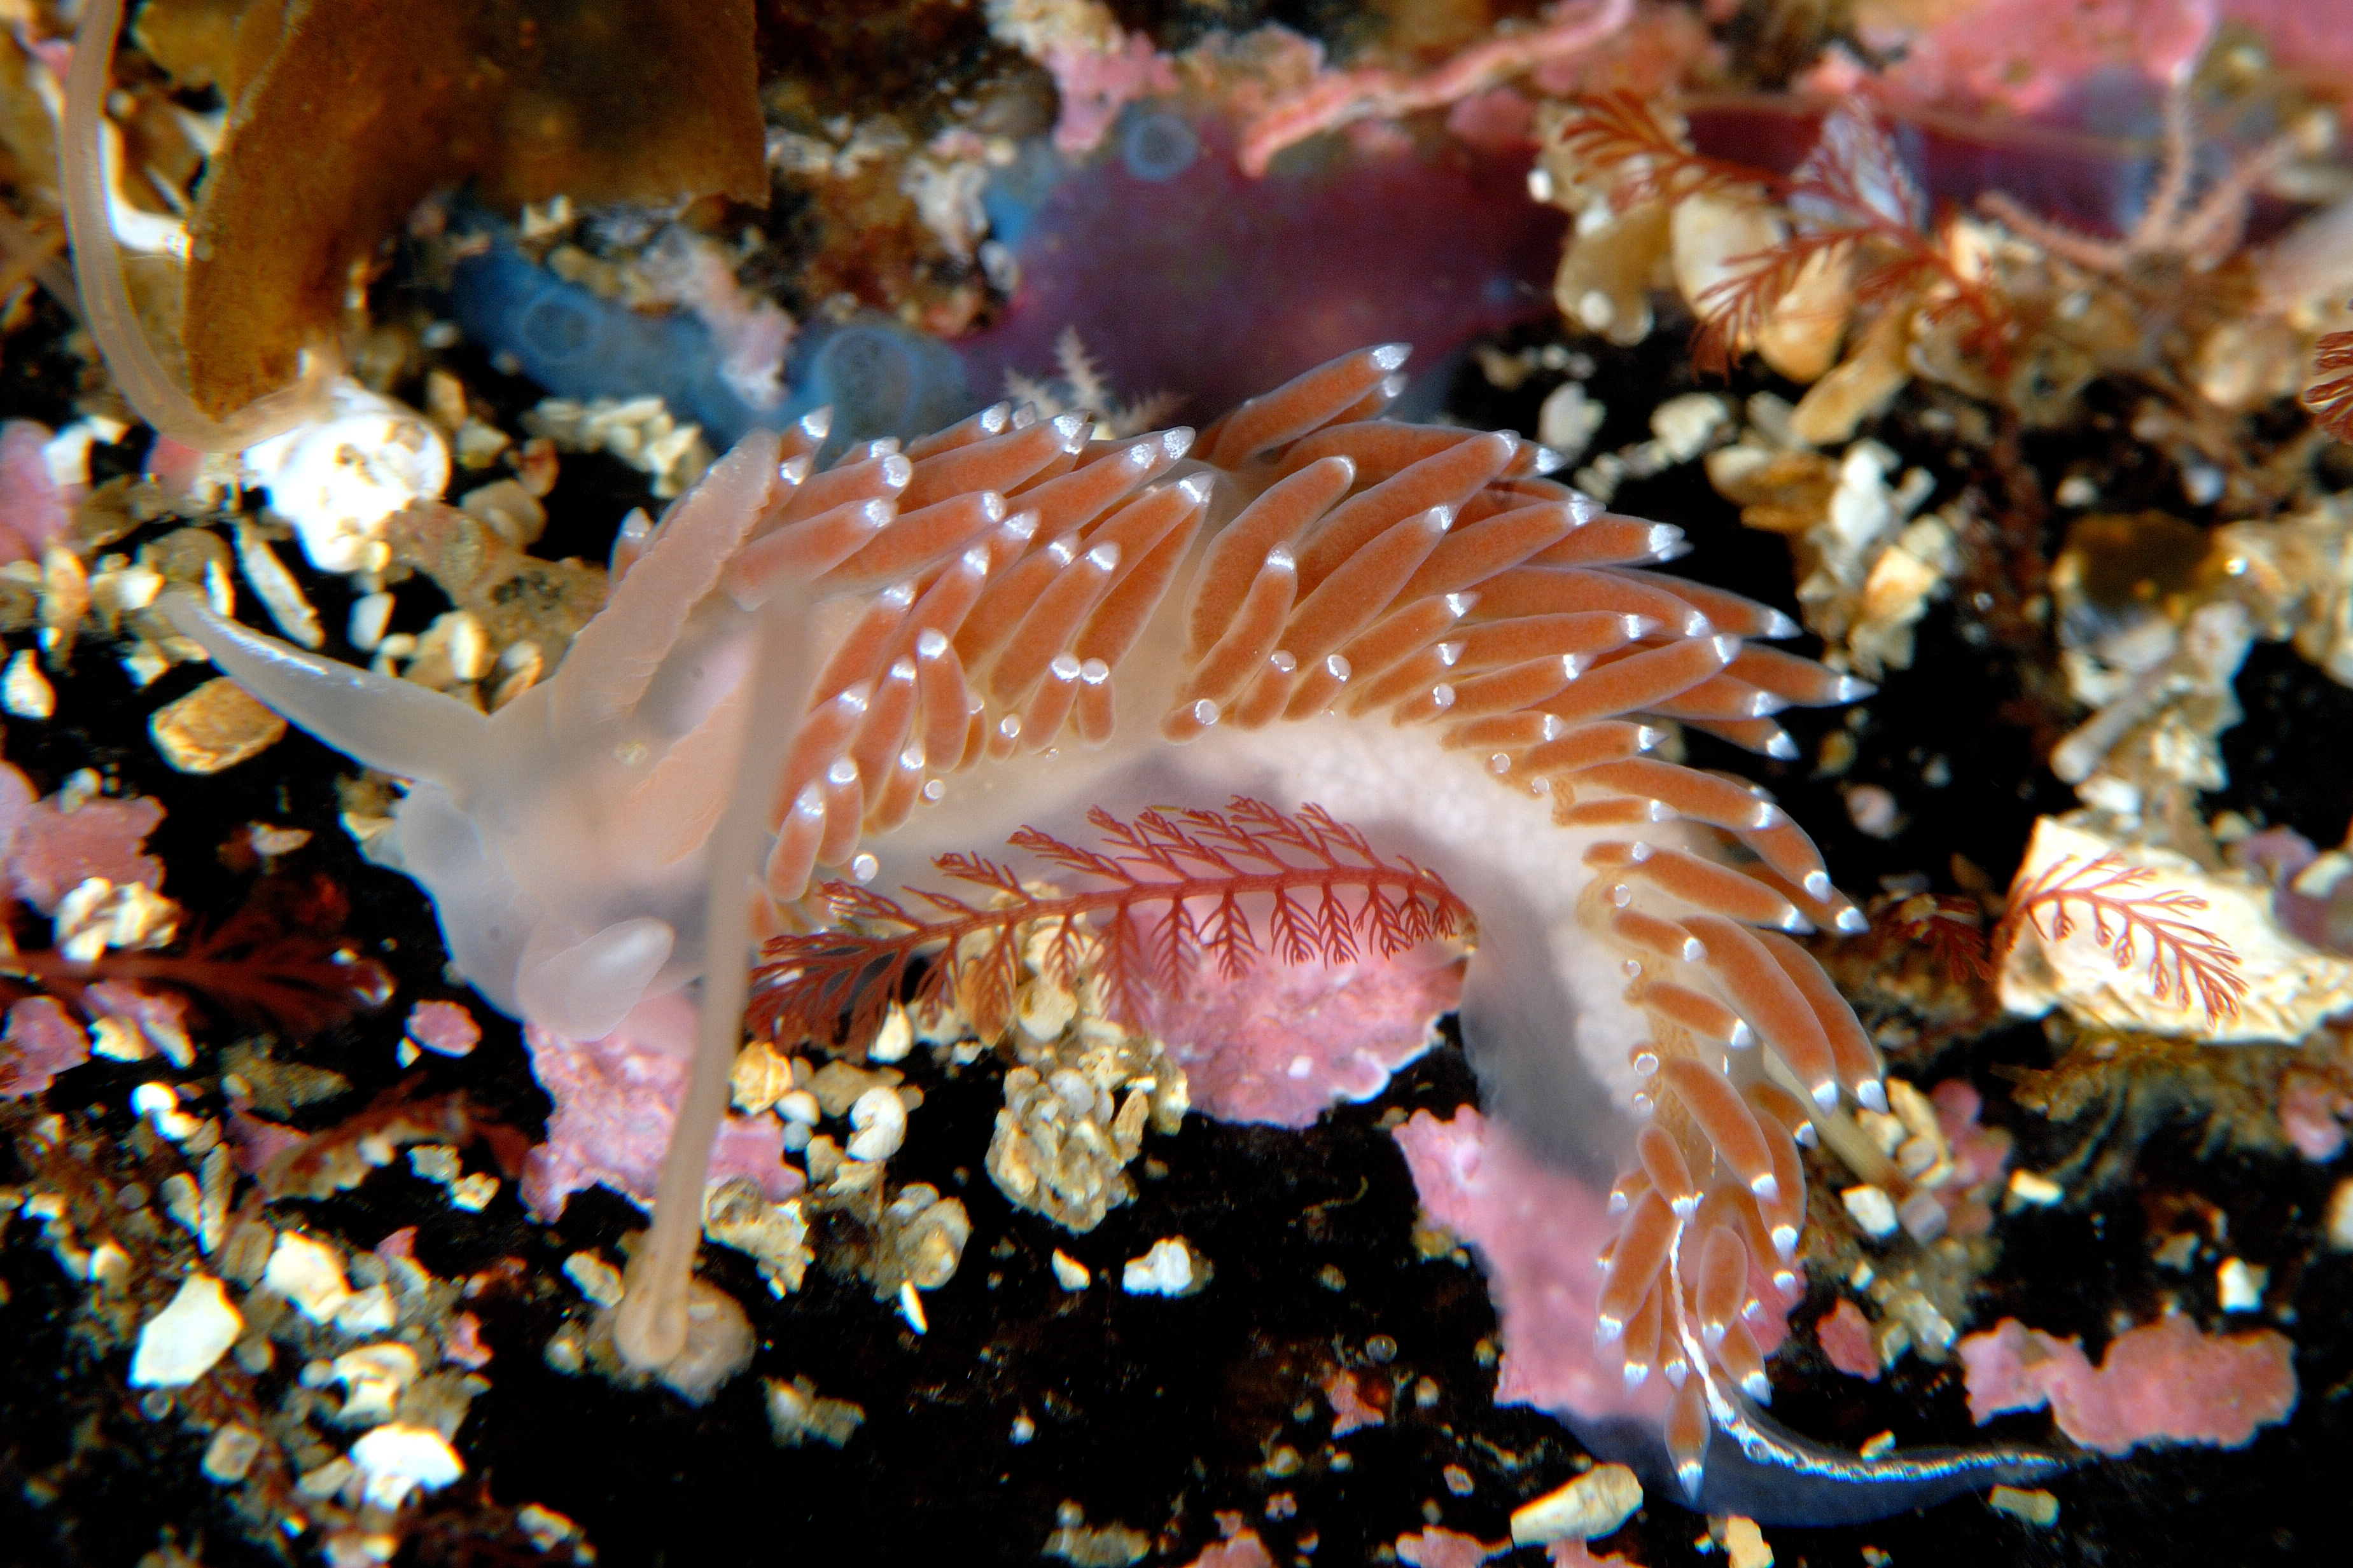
column 1872, row 1210
column 2239, row 1287
column 1069, row 1271
column 374, row 1377
column 2028, row 1188
column 369, row 1311
column 878, row 1123
column 2340, row 1216
column 1594, row 1504
column 25, row 691
column 893, row 1039
column 598, row 1280
column 180, row 1343
column 1170, row 1268
column 398, row 1458
column 309, row 1275
column 371, row 615
column 231, row 1453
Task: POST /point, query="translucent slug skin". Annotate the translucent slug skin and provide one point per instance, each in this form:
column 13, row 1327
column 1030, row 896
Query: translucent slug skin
column 567, row 838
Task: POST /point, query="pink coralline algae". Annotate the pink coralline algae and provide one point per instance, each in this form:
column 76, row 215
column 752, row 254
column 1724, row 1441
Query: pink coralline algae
column 41, row 1040
column 444, row 1028
column 1285, row 1042
column 2310, row 1112
column 1096, row 83
column 1435, row 1548
column 33, row 509
column 1242, row 1550
column 48, row 851
column 1981, row 1154
column 1845, row 1336
column 1539, row 1233
column 1349, row 1409
column 2163, row 1382
column 616, row 1099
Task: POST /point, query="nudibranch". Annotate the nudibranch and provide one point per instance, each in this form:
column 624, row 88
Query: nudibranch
column 1010, row 621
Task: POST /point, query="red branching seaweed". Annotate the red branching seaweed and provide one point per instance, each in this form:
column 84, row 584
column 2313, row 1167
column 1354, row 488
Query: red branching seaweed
column 1851, row 197
column 1951, row 929
column 2124, row 913
column 2331, row 401
column 1204, row 870
column 277, row 957
column 337, row 1158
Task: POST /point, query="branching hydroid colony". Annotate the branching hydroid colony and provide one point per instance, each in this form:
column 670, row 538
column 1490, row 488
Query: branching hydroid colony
column 1409, row 624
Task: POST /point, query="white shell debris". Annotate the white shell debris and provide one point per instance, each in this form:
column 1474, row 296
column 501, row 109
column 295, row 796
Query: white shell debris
column 1170, row 1268
column 231, row 1453
column 597, row 1279
column 98, row 914
column 1872, row 1209
column 308, row 1274
column 374, row 1377
column 2239, row 1286
column 2028, row 1187
column 1593, row 1505
column 2290, row 988
column 895, row 1040
column 1068, row 1272
column 280, row 593
column 25, row 691
column 338, row 480
column 797, row 1413
column 398, row 1458
column 180, row 1343
column 2340, row 1216
column 878, row 1123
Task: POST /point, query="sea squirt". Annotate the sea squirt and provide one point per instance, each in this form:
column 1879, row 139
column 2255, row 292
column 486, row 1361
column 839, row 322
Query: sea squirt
column 1408, row 625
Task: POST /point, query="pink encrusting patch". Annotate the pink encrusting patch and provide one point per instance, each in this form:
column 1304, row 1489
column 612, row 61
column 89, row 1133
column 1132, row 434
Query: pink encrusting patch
column 616, row 1099
column 1242, row 1550
column 41, row 1040
column 1349, row 1409
column 1980, row 1155
column 1285, row 1042
column 2163, row 1382
column 33, row 509
column 1435, row 1548
column 444, row 1028
column 1539, row 1232
column 49, row 852
column 2309, row 1109
column 1845, row 1336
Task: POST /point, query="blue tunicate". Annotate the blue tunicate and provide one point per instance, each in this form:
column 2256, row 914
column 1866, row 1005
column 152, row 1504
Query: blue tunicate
column 1157, row 144
column 578, row 345
column 882, row 378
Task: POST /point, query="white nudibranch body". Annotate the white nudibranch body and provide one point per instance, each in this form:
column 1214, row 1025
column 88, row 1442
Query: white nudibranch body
column 1408, row 626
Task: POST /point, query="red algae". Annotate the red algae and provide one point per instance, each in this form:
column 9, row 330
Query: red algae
column 1845, row 1336
column 1285, row 1042
column 2166, row 1382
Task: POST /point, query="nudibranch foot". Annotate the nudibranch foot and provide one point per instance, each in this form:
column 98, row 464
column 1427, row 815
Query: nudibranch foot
column 1767, row 1473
